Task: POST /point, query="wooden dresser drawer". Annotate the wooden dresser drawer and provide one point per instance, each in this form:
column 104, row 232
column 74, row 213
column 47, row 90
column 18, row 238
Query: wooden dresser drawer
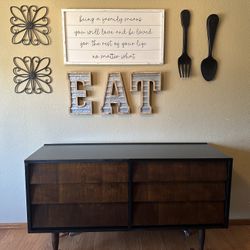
column 179, row 170
column 178, row 213
column 179, row 191
column 79, row 215
column 77, row 172
column 79, row 193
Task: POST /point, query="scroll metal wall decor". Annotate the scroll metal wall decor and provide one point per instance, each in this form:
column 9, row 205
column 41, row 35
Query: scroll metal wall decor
column 32, row 75
column 29, row 25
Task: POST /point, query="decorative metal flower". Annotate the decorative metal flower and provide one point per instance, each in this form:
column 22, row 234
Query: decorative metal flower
column 32, row 75
column 29, row 25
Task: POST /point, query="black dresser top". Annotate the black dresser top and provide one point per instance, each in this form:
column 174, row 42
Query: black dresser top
column 125, row 151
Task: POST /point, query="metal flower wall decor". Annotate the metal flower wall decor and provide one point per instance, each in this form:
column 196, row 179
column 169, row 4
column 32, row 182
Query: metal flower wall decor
column 29, row 25
column 32, row 75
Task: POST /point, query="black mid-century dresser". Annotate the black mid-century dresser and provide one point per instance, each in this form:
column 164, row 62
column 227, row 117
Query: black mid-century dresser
column 129, row 186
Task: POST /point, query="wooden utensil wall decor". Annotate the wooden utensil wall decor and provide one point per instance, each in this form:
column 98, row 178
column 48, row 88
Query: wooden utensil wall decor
column 29, row 25
column 184, row 61
column 209, row 64
column 79, row 81
column 32, row 75
column 115, row 94
column 145, row 80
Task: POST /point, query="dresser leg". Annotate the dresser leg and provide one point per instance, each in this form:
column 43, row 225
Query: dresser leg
column 55, row 240
column 202, row 238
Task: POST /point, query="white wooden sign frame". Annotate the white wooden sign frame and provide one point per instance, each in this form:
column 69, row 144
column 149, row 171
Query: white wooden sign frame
column 113, row 36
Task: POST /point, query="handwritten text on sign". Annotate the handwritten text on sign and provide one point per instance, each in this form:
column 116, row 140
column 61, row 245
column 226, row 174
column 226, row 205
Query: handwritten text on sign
column 115, row 36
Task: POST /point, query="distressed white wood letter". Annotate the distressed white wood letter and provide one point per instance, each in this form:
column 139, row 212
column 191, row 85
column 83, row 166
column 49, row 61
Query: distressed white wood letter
column 145, row 80
column 79, row 82
column 115, row 94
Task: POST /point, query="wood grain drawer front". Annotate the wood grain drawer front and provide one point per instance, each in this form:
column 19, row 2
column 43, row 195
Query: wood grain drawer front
column 80, row 215
column 179, row 191
column 79, row 193
column 179, row 213
column 179, row 170
column 94, row 172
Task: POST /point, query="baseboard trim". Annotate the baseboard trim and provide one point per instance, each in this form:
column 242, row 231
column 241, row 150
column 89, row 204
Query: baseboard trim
column 238, row 222
column 13, row 225
column 233, row 222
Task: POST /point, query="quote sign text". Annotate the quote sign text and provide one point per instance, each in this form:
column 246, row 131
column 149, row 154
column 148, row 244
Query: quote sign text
column 113, row 36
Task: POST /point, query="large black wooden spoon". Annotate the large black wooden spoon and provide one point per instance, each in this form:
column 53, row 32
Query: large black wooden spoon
column 209, row 64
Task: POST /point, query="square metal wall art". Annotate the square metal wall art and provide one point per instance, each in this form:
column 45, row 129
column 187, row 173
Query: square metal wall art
column 32, row 75
column 29, row 25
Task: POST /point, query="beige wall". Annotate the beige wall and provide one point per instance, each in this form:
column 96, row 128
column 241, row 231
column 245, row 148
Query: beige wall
column 190, row 110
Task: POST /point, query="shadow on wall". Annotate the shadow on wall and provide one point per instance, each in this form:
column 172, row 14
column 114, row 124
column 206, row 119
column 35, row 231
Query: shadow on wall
column 240, row 195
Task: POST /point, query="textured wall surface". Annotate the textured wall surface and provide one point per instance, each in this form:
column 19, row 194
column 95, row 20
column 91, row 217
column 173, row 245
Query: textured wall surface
column 190, row 110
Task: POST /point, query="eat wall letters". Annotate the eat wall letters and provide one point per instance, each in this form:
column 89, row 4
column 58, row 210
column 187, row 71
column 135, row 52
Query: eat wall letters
column 115, row 93
column 145, row 79
column 79, row 81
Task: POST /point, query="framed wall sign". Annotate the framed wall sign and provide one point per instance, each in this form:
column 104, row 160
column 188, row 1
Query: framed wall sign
column 113, row 36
